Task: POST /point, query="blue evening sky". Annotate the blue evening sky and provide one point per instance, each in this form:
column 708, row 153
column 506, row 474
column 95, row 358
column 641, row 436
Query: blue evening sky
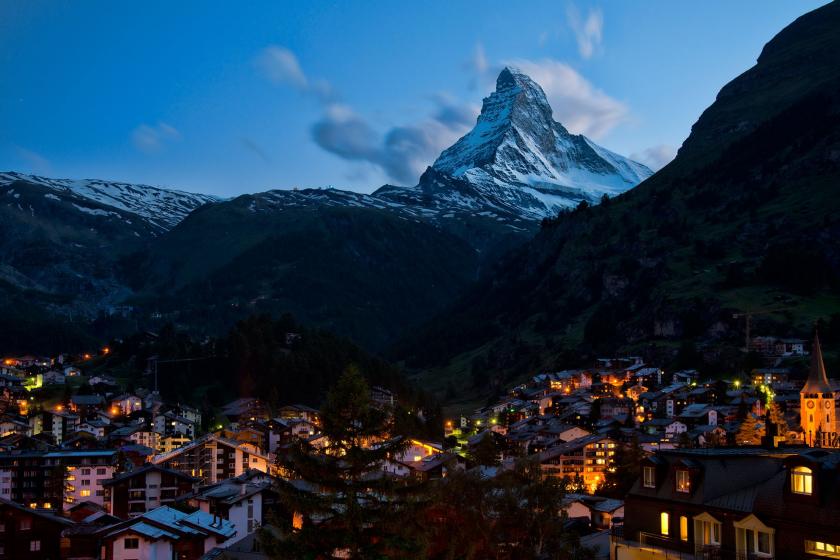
column 233, row 97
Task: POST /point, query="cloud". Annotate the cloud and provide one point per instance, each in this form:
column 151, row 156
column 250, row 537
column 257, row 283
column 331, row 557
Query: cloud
column 280, row 66
column 655, row 157
column 36, row 163
column 454, row 115
column 588, row 32
column 577, row 104
column 152, row 138
column 402, row 152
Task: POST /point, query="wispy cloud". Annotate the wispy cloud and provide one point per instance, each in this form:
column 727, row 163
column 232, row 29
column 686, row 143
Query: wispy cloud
column 577, row 103
column 35, row 162
column 476, row 66
column 655, row 157
column 152, row 138
column 402, row 152
column 588, row 30
column 280, row 66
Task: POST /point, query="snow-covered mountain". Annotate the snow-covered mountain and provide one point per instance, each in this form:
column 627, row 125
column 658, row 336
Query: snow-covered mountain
column 517, row 165
column 161, row 208
column 518, row 159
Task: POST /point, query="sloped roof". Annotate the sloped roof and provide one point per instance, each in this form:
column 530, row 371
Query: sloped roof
column 817, row 379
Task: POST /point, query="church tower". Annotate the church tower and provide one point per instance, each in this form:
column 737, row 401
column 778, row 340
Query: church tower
column 816, row 400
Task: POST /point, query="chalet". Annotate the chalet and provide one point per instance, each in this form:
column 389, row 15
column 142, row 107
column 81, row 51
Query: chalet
column 246, row 409
column 10, row 424
column 298, row 411
column 29, row 533
column 418, row 450
column 138, row 491
column 49, row 479
column 250, row 434
column 60, row 424
column 733, row 503
column 169, row 423
column 212, row 459
column 770, row 376
column 598, row 511
column 94, row 427
column 171, row 443
column 189, row 413
column 698, row 414
column 86, row 405
column 126, row 403
column 244, row 501
column 587, row 457
column 611, row 408
column 165, row 533
column 686, row 376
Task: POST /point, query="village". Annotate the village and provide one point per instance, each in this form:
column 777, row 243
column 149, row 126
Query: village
column 93, row 471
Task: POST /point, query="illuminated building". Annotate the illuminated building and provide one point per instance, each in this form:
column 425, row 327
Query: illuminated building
column 817, row 414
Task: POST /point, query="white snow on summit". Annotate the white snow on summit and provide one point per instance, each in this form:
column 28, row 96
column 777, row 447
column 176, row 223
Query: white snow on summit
column 519, row 159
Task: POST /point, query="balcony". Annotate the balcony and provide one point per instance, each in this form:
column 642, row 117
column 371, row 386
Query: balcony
column 651, row 546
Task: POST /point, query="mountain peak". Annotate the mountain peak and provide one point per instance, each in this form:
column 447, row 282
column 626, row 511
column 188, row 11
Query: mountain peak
column 517, row 150
column 513, row 76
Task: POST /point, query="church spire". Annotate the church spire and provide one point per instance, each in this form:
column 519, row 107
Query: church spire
column 817, row 380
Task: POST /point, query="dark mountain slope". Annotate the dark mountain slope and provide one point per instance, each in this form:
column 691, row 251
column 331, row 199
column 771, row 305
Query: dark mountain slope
column 60, row 241
column 746, row 217
column 364, row 272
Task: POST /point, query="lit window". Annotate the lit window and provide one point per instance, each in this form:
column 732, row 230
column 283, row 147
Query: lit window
column 664, row 521
column 683, row 484
column 823, row 549
column 801, row 480
column 649, row 477
column 34, row 546
column 84, row 493
column 684, row 528
column 707, row 533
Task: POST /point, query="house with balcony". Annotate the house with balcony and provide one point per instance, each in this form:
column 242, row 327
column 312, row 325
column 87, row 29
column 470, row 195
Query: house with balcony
column 212, row 458
column 133, row 493
column 588, row 457
column 733, row 503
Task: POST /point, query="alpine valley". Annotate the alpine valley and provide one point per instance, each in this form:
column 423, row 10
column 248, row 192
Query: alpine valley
column 522, row 248
column 369, row 266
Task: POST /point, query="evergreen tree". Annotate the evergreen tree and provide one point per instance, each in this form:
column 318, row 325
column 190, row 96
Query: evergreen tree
column 529, row 517
column 485, row 452
column 344, row 502
column 775, row 416
column 750, row 432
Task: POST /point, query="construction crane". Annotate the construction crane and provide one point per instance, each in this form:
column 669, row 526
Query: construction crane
column 748, row 315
